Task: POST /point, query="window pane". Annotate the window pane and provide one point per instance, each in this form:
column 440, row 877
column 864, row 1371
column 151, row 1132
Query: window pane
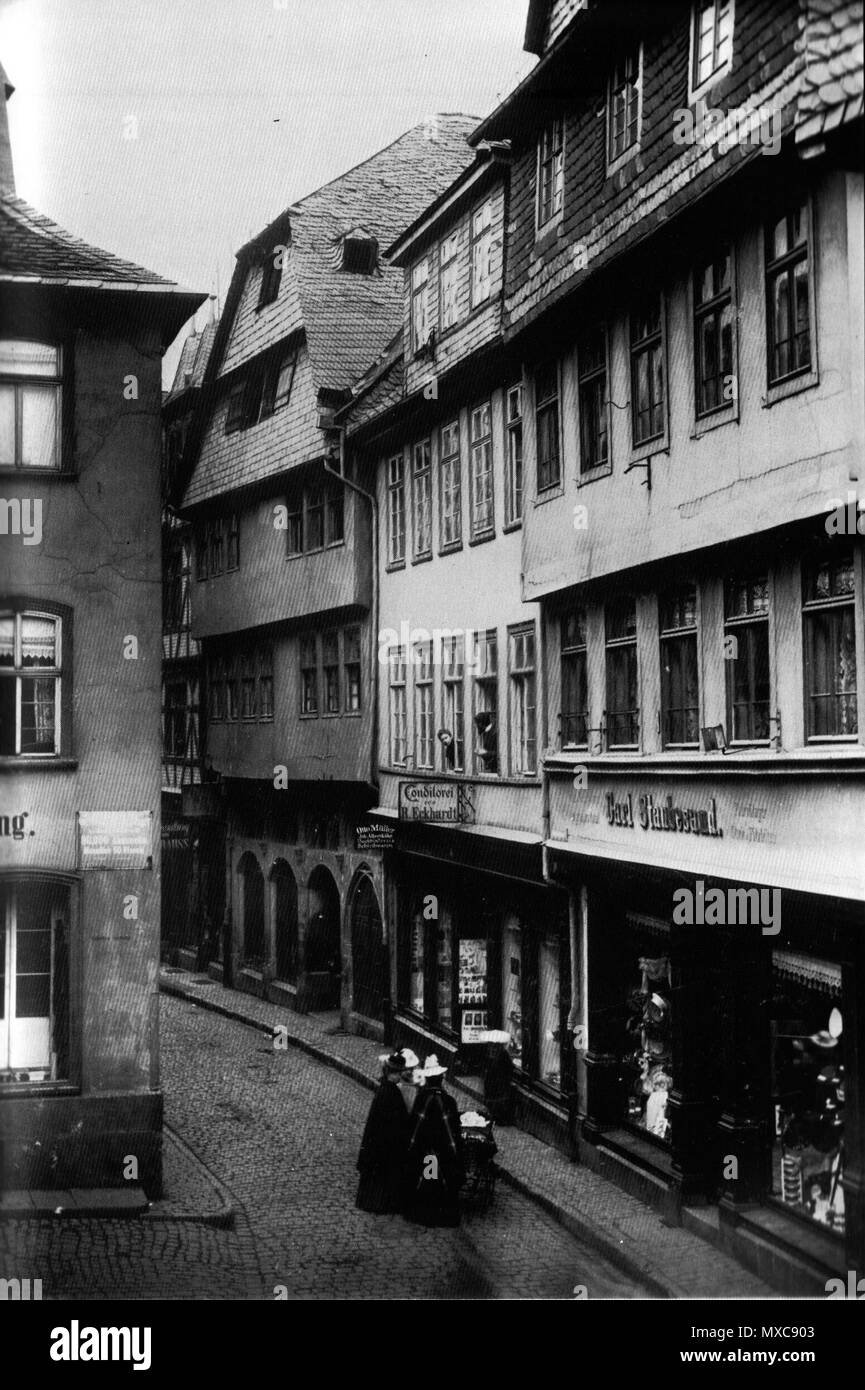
column 39, row 426
column 37, row 642
column 28, row 359
column 37, row 716
column 7, row 641
column 7, row 424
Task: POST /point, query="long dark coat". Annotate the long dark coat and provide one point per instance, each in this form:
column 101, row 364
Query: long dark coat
column 381, row 1162
column 432, row 1189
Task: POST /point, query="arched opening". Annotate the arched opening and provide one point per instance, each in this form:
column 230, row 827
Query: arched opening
column 285, row 922
column 252, row 883
column 368, row 952
column 322, row 955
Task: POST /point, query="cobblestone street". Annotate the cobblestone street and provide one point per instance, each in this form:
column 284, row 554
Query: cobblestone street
column 281, row 1131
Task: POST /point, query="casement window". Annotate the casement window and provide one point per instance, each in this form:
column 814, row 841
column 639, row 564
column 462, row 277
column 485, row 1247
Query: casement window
column 486, row 702
column 271, row 275
column 309, row 675
column 351, row 669
column 234, row 415
column 523, row 690
column 514, row 461
column 593, row 400
column 34, row 980
column 173, row 591
column 424, row 720
column 575, row 699
column 828, row 616
column 623, row 710
column 231, row 692
column 216, row 530
column 746, row 653
column 551, row 172
column 175, row 716
column 294, row 527
column 232, row 561
column 647, row 372
column 216, row 687
column 421, row 492
column 398, row 712
column 396, row 509
column 330, row 671
column 712, row 45
column 680, row 685
column 788, row 294
column 453, row 704
column 313, row 522
column 31, row 673
column 547, row 426
column 334, row 531
column 623, row 120
column 713, row 333
column 481, row 468
column 449, row 280
column 247, row 685
column 450, row 489
column 31, row 397
column 265, row 682
column 420, row 324
column 278, row 382
column 481, row 253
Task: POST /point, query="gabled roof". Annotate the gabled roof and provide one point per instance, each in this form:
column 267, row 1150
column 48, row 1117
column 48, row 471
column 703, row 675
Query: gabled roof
column 191, row 366
column 36, row 250
column 832, row 89
column 348, row 317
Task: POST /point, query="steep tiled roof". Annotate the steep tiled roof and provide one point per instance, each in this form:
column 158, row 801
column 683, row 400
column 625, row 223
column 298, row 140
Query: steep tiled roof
column 348, row 318
column 832, row 89
column 33, row 248
column 193, row 360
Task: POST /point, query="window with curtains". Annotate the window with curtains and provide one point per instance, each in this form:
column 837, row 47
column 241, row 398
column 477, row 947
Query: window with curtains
column 829, row 640
column 713, row 333
column 547, row 426
column 398, row 707
column 481, row 463
column 449, row 485
column 620, row 635
column 788, row 307
column 623, row 119
column 575, row 701
column 421, row 492
column 31, row 394
column 31, row 673
column 514, row 460
column 449, row 280
column 746, row 621
column 680, row 690
column 593, row 404
column 647, row 371
column 453, row 703
column 424, row 720
column 396, row 509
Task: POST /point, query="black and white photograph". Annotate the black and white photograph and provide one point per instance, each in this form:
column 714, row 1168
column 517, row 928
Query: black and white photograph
column 432, row 668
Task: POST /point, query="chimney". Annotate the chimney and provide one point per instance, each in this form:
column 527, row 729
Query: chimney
column 7, row 173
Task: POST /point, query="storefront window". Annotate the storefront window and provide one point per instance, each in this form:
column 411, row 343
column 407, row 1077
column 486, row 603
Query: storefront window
column 648, row 1052
column 550, row 1012
column 445, row 966
column 808, row 1088
column 415, row 994
column 512, row 987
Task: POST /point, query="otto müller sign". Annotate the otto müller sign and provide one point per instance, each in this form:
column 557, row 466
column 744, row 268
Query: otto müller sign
column 430, row 801
column 115, row 839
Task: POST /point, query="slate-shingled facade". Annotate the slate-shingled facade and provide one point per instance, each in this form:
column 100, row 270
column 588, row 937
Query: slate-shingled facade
column 82, row 336
column 284, row 592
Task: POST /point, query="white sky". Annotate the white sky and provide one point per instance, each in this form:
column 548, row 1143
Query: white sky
column 237, row 107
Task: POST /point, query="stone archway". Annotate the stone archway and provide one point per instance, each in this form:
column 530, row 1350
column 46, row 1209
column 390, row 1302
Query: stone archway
column 322, row 954
column 254, row 941
column 368, row 951
column 286, row 938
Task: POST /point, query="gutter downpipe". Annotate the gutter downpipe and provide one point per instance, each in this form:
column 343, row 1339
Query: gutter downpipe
column 374, row 690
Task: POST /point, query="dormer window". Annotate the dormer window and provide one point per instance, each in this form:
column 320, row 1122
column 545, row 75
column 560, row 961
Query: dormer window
column 271, row 274
column 360, row 255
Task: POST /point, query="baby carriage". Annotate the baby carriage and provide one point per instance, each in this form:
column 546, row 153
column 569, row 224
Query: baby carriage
column 479, row 1150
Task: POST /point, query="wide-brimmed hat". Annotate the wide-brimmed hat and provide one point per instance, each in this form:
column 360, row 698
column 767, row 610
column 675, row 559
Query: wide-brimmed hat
column 403, row 1060
column 432, row 1067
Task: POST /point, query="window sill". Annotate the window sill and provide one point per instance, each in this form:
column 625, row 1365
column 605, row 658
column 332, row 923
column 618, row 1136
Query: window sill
column 451, row 549
column 482, row 540
column 696, row 93
column 640, row 453
column 791, row 386
column 308, row 716
column 590, row 475
column 615, row 166
column 728, row 415
column 512, row 526
column 548, row 494
column 475, row 312
column 546, row 235
column 422, row 559
column 10, row 470
column 21, row 763
column 393, row 565
column 13, row 1089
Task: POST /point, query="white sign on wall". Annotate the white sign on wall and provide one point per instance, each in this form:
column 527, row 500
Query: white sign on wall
column 115, row 839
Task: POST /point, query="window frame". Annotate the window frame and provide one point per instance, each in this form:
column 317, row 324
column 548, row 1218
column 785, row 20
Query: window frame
column 419, row 304
column 59, row 673
column 308, row 645
column 550, row 176
column 831, row 603
column 685, row 635
column 396, row 509
column 397, row 706
column 617, row 644
column 696, row 87
column 424, row 706
column 59, row 384
column 450, row 458
column 567, row 651
column 424, row 474
column 232, row 543
column 734, row 624
column 778, row 388
column 350, row 664
column 453, row 701
column 484, row 679
column 588, row 377
column 637, row 348
column 521, row 714
column 481, row 242
column 541, row 406
column 616, row 160
column 330, row 647
column 449, row 307
column 514, row 457
column 271, row 277
column 478, row 447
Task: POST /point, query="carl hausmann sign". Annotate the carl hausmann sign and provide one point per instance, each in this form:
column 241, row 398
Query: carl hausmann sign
column 663, row 814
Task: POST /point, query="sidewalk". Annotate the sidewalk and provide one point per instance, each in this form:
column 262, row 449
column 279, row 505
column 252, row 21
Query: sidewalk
column 673, row 1262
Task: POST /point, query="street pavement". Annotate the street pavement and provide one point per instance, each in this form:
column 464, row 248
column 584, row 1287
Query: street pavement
column 278, row 1132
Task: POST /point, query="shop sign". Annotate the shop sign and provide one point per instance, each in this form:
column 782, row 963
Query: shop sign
column 374, row 837
column 430, row 801
column 115, row 839
column 663, row 815
column 474, row 1026
column 175, row 835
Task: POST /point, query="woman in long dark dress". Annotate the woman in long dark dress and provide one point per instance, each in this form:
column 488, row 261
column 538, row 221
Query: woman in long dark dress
column 381, row 1162
column 434, row 1166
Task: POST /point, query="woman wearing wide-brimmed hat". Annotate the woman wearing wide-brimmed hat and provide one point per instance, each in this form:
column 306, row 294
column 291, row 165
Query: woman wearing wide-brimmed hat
column 382, row 1158
column 435, row 1170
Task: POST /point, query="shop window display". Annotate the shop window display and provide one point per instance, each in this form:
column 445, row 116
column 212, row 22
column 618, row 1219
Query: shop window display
column 416, row 962
column 647, row 1056
column 512, row 988
column 550, row 1012
column 445, row 964
column 808, row 1096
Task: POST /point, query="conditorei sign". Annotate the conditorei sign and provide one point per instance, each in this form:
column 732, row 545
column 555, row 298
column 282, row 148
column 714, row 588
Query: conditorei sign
column 430, row 801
